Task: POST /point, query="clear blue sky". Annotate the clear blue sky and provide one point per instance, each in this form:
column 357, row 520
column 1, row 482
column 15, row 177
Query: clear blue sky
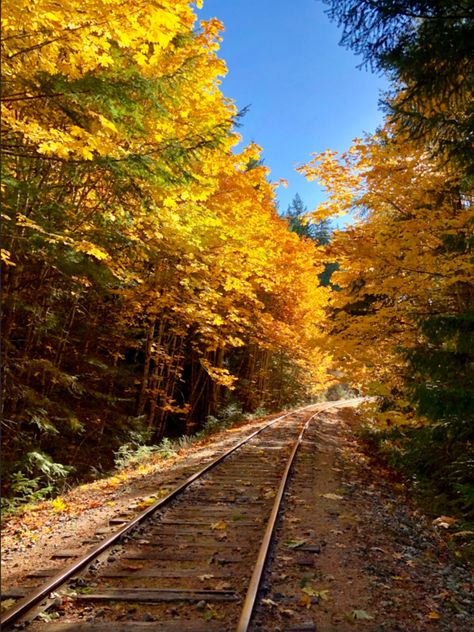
column 305, row 92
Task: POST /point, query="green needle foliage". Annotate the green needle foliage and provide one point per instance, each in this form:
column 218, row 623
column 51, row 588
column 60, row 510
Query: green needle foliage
column 427, row 48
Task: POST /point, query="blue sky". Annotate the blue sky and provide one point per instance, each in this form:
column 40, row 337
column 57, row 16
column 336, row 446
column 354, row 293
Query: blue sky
column 305, row 92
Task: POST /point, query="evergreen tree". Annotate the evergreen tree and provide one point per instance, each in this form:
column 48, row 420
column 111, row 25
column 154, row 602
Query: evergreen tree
column 300, row 223
column 320, row 233
column 427, row 49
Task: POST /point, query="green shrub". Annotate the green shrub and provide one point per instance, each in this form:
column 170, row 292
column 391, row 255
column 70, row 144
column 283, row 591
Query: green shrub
column 438, row 462
column 131, row 454
column 38, row 478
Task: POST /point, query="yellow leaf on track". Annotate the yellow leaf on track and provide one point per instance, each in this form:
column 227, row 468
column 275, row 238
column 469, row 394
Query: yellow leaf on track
column 433, row 615
column 305, row 601
column 219, row 525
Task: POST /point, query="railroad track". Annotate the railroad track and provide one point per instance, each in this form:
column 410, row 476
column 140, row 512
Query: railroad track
column 194, row 560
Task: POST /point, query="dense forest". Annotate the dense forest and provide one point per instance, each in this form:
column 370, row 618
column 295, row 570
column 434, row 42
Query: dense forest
column 150, row 283
column 148, row 280
column 403, row 326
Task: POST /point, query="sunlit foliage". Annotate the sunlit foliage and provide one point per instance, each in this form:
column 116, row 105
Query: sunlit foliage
column 147, row 277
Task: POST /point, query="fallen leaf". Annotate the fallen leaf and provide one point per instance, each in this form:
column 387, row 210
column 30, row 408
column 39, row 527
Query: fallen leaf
column 8, row 603
column 305, row 601
column 219, row 525
column 222, row 585
column 205, row 576
column 443, row 521
column 433, row 615
column 294, row 544
column 269, row 602
column 360, row 615
column 347, row 517
column 147, row 502
column 314, row 592
column 308, row 590
column 48, row 616
column 333, row 496
column 59, row 505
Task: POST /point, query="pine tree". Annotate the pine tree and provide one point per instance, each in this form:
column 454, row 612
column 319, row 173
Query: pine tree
column 300, row 222
column 427, row 48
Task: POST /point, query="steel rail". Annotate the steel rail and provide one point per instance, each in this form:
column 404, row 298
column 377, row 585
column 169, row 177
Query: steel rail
column 29, row 601
column 252, row 591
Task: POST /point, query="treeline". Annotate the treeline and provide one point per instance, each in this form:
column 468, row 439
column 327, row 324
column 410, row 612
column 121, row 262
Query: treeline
column 402, row 326
column 147, row 277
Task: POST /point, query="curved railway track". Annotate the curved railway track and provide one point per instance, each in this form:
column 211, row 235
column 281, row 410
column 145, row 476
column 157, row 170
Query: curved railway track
column 192, row 561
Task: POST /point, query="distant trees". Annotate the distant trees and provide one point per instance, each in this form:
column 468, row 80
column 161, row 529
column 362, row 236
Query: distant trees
column 300, row 222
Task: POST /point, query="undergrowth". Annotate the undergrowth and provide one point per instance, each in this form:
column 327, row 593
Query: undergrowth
column 39, row 478
column 137, row 451
column 438, row 464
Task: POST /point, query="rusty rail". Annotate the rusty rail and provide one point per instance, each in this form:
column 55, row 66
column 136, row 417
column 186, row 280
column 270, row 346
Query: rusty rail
column 23, row 606
column 252, row 592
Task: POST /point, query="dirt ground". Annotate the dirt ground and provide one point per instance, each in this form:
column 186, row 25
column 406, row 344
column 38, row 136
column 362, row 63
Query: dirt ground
column 352, row 550
column 374, row 562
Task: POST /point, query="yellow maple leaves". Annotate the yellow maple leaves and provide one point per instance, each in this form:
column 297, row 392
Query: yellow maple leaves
column 82, row 40
column 122, row 144
column 394, row 262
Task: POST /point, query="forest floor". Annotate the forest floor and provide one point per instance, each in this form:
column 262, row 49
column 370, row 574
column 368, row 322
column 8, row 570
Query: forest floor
column 382, row 565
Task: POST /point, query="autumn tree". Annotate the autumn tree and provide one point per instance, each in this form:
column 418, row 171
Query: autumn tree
column 141, row 254
column 426, row 50
column 401, row 326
